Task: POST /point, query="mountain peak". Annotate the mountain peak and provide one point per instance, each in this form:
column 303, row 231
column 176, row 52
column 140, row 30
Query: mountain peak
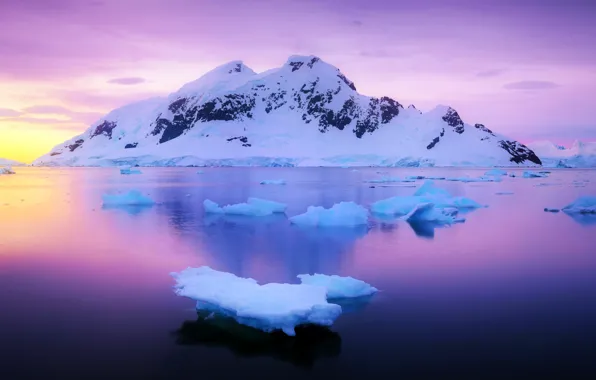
column 224, row 75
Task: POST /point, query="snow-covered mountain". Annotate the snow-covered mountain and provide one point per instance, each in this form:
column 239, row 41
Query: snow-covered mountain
column 6, row 162
column 579, row 155
column 304, row 113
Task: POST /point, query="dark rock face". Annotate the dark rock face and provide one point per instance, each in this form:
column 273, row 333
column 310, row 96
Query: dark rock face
column 436, row 140
column 105, row 129
column 389, row 109
column 55, row 154
column 242, row 139
column 226, row 108
column 237, row 68
column 453, row 120
column 483, row 128
column 519, row 152
column 347, row 81
column 296, row 65
column 77, row 144
column 130, row 146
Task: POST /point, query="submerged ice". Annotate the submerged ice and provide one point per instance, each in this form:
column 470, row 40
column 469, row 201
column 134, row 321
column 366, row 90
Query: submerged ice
column 131, row 198
column 268, row 307
column 252, row 207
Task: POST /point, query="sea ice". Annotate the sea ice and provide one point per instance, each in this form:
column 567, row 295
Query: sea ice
column 583, row 205
column 7, row 170
column 389, row 180
column 346, row 214
column 534, row 175
column 273, row 182
column 427, row 212
column 337, row 286
column 477, row 179
column 265, row 307
column 496, row 172
column 504, row 193
column 133, row 197
column 252, row 207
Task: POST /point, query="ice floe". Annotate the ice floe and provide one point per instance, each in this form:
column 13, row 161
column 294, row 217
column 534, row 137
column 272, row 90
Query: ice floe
column 528, row 174
column 129, row 170
column 7, row 170
column 266, row 307
column 252, row 207
column 389, row 180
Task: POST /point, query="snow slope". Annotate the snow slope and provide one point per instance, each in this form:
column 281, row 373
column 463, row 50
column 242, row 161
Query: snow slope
column 6, row 162
column 304, row 113
column 579, row 155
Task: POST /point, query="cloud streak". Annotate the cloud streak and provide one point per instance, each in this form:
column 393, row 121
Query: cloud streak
column 127, row 80
column 7, row 112
column 531, row 85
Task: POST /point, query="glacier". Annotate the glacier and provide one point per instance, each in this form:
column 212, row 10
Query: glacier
column 271, row 306
column 579, row 155
column 303, row 113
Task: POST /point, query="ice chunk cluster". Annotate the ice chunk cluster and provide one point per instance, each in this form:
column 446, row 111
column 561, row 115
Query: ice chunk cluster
column 6, row 170
column 343, row 214
column 337, row 286
column 273, row 182
column 429, row 203
column 266, row 307
column 252, row 207
column 132, row 198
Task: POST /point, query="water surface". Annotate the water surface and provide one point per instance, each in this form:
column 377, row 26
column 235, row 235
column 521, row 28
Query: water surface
column 85, row 291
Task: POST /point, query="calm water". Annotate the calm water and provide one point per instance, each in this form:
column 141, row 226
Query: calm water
column 85, row 292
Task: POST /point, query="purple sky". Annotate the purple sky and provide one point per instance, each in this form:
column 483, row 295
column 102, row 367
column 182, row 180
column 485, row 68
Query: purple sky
column 525, row 68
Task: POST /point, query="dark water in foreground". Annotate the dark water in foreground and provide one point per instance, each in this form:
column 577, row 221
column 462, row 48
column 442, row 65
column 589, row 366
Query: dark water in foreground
column 85, row 292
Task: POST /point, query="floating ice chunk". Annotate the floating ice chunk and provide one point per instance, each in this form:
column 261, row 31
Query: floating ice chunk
column 398, row 205
column 415, row 177
column 253, row 207
column 340, row 214
column 129, row 170
column 583, row 205
column 546, row 209
column 389, row 180
column 133, row 197
column 337, row 286
column 534, row 175
column 266, row 307
column 7, row 170
column 504, row 193
column 201, row 172
column 496, row 172
column 273, row 182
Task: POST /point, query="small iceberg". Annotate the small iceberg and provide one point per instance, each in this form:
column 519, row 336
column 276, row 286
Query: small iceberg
column 201, row 172
column 546, row 209
column 496, row 172
column 343, row 214
column 267, row 307
column 132, row 198
column 129, row 170
column 273, row 182
column 7, row 170
column 534, row 175
column 337, row 286
column 389, row 180
column 504, row 193
column 583, row 205
column 252, row 207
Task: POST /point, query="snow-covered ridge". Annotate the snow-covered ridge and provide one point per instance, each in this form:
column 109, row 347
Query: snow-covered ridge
column 6, row 162
column 578, row 155
column 304, row 113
